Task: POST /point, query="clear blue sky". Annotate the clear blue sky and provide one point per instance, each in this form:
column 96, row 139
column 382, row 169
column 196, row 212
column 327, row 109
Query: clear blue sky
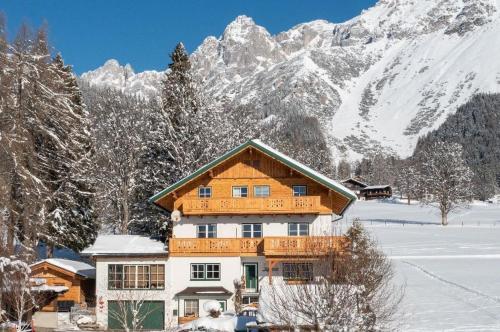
column 143, row 33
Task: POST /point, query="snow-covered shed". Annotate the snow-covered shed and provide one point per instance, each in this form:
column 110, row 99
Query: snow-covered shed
column 72, row 281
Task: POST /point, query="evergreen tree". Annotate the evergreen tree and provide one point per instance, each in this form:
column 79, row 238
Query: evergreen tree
column 44, row 143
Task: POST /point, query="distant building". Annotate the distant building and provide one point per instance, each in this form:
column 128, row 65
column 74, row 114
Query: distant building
column 354, row 184
column 376, row 192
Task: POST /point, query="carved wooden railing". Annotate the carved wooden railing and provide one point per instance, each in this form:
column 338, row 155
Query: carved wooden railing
column 216, row 247
column 257, row 205
column 268, row 246
column 303, row 245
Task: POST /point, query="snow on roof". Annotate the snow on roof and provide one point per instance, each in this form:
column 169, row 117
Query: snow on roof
column 266, row 149
column 124, row 245
column 47, row 288
column 354, row 180
column 381, row 186
column 77, row 267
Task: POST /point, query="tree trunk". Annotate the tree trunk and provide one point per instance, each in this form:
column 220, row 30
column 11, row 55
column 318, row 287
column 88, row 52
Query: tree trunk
column 125, row 209
column 49, row 251
column 409, row 203
column 444, row 218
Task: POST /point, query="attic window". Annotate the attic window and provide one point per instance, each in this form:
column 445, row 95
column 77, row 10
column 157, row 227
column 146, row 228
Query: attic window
column 204, row 192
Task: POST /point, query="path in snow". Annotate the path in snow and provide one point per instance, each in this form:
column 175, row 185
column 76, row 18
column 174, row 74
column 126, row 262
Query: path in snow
column 452, row 274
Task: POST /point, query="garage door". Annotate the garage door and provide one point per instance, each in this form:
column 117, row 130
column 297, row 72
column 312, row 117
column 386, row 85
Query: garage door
column 151, row 315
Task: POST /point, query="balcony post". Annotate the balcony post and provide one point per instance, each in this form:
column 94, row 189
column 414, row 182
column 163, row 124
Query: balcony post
column 270, row 264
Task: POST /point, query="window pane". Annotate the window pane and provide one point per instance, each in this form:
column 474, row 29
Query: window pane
column 292, row 229
column 201, row 231
column 213, row 271
column 212, row 230
column 261, row 191
column 299, row 190
column 257, row 227
column 304, row 229
column 129, row 278
column 240, row 191
column 191, row 308
column 204, row 192
column 197, row 271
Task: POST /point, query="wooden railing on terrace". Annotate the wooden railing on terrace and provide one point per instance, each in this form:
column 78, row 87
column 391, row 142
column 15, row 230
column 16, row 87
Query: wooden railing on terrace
column 255, row 205
column 303, row 245
column 268, row 246
column 216, row 247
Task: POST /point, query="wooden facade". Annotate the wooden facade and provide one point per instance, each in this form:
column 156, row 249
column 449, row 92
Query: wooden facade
column 81, row 289
column 251, row 168
column 376, row 192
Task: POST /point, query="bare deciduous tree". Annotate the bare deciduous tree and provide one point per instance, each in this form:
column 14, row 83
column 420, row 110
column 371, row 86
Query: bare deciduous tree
column 132, row 309
column 446, row 178
column 338, row 290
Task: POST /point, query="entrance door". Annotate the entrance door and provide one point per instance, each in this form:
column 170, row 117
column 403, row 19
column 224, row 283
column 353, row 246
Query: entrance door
column 251, row 276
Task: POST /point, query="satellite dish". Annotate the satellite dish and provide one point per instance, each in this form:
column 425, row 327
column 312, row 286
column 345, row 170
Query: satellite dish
column 176, row 216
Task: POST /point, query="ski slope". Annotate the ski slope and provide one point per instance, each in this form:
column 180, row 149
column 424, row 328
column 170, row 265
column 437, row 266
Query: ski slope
column 452, row 274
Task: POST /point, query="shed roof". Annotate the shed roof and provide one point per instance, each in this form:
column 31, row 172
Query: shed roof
column 204, row 291
column 125, row 245
column 382, row 186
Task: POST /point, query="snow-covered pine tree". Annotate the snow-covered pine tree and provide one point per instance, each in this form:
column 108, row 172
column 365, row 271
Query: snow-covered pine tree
column 70, row 211
column 43, row 135
column 188, row 130
column 445, row 179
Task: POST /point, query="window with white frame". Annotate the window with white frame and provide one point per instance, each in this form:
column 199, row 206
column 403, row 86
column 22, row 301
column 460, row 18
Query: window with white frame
column 197, row 271
column 205, row 271
column 213, row 271
column 204, row 192
column 122, row 276
column 252, row 230
column 206, row 231
column 298, row 229
column 191, row 307
column 240, row 191
column 261, row 191
column 297, row 271
column 299, row 190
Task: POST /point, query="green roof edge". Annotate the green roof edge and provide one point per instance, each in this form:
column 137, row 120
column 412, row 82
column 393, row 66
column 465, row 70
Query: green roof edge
column 234, row 151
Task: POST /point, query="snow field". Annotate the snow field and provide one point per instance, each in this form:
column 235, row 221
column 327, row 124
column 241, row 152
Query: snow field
column 451, row 274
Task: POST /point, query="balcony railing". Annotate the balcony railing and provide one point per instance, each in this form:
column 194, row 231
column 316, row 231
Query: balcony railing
column 216, row 247
column 268, row 246
column 303, row 245
column 256, row 205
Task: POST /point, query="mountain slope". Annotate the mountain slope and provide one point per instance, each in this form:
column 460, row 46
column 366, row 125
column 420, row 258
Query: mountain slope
column 376, row 82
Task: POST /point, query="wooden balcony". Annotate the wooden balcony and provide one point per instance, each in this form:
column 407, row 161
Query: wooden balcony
column 291, row 246
column 216, row 247
column 252, row 205
column 303, row 245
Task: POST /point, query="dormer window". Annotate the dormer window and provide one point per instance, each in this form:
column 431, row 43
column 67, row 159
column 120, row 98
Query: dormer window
column 299, row 190
column 205, row 192
column 240, row 191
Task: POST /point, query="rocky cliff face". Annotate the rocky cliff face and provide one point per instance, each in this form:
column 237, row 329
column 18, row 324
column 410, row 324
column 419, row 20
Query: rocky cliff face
column 376, row 82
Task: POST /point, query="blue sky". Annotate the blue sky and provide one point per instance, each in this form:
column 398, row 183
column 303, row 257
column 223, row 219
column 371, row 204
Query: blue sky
column 143, row 32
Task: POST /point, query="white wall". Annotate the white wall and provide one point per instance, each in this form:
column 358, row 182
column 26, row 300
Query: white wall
column 103, row 295
column 230, row 227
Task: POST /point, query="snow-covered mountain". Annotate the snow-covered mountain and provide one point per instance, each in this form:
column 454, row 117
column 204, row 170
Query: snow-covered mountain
column 377, row 81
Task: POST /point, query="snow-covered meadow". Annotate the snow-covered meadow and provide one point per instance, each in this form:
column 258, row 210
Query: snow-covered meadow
column 451, row 274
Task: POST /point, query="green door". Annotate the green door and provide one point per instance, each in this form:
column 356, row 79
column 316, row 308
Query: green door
column 151, row 315
column 251, row 276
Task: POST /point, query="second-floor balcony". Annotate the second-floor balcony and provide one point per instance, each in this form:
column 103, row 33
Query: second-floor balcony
column 252, row 205
column 268, row 246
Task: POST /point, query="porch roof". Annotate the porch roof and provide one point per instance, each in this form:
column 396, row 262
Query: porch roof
column 204, row 291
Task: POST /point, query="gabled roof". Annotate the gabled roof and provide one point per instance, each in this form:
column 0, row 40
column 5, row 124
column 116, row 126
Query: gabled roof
column 271, row 152
column 125, row 245
column 354, row 180
column 77, row 267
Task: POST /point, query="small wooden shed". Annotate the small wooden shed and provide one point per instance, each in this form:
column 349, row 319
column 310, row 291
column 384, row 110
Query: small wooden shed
column 78, row 277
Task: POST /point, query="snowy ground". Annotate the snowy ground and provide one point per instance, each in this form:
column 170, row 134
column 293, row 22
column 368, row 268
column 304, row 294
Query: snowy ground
column 452, row 274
